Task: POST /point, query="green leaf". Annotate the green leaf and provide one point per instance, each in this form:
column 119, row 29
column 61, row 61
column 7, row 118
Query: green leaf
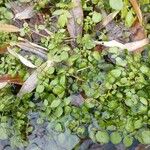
column 129, row 19
column 146, row 137
column 58, row 112
column 45, row 102
column 143, row 101
column 58, row 89
column 58, row 127
column 40, row 88
column 55, row 103
column 96, row 55
column 102, row 137
column 116, row 4
column 138, row 124
column 121, row 62
column 116, row 73
column 115, row 138
column 127, row 141
column 64, row 56
column 51, row 70
column 62, row 20
column 97, row 17
column 144, row 69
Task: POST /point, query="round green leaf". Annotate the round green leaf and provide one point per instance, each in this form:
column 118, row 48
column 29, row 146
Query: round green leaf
column 127, row 141
column 40, row 88
column 116, row 4
column 97, row 17
column 102, row 137
column 146, row 137
column 115, row 138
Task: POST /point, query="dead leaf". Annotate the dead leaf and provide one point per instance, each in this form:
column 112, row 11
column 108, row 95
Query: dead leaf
column 137, row 10
column 9, row 79
column 109, row 18
column 75, row 23
column 32, row 47
column 31, row 83
column 132, row 46
column 21, row 58
column 3, row 49
column 8, row 28
column 137, row 33
column 27, row 13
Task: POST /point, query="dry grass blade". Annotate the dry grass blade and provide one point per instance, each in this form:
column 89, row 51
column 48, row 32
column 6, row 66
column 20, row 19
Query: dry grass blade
column 8, row 28
column 112, row 43
column 132, row 46
column 109, row 18
column 21, row 58
column 31, row 83
column 75, row 23
column 27, row 13
column 137, row 10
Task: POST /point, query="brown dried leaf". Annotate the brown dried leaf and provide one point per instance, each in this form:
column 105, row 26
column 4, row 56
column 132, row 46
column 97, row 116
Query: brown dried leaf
column 137, row 10
column 75, row 23
column 9, row 79
column 3, row 49
column 137, row 33
column 8, row 28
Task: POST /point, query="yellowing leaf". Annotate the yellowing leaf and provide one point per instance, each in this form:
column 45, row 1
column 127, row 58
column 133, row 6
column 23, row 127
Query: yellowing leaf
column 8, row 28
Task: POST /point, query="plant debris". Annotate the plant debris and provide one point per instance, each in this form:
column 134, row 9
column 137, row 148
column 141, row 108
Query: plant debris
column 74, row 74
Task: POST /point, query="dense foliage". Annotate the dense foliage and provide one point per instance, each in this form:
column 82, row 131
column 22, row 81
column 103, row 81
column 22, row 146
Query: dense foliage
column 105, row 94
